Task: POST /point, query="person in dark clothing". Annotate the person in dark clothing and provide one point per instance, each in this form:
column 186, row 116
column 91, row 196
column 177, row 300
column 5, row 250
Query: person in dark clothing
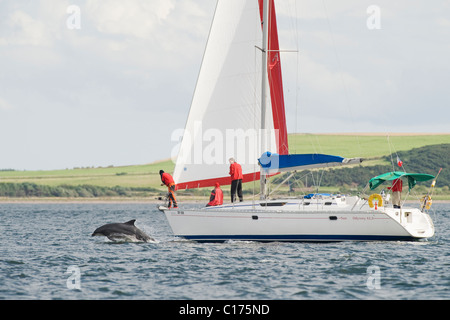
column 236, row 180
column 167, row 180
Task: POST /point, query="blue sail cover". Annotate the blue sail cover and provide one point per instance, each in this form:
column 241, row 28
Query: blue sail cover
column 272, row 162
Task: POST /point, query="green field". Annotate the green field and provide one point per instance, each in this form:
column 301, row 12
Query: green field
column 372, row 147
column 368, row 146
column 146, row 175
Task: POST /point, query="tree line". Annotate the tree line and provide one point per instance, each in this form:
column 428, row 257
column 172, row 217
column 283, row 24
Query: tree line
column 27, row 189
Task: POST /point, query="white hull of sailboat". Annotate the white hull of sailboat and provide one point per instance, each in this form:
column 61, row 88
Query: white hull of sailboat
column 292, row 222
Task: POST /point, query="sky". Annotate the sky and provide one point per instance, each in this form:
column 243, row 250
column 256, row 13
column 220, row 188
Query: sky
column 106, row 82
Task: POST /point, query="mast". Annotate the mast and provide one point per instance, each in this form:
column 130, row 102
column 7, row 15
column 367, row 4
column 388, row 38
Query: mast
column 265, row 27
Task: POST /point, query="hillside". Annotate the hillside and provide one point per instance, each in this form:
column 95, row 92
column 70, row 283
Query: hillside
column 422, row 153
column 427, row 159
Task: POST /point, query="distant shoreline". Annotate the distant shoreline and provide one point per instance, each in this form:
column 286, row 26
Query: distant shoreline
column 181, row 200
column 112, row 200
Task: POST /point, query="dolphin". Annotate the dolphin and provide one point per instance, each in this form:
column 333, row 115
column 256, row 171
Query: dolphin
column 122, row 232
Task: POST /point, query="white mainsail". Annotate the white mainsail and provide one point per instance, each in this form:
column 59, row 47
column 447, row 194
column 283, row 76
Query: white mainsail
column 225, row 116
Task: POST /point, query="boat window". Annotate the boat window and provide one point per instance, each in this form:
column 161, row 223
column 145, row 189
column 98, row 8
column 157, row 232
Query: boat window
column 272, row 204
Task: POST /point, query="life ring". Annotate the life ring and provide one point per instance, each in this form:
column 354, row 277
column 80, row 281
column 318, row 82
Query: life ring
column 426, row 202
column 375, row 196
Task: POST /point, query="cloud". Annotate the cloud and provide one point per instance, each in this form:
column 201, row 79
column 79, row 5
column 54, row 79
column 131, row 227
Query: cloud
column 24, row 30
column 135, row 18
column 139, row 35
column 37, row 23
column 4, row 105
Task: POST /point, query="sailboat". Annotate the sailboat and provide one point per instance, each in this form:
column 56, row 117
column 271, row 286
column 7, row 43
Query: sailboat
column 238, row 111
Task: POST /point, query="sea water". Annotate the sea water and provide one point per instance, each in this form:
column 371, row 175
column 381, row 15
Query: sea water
column 47, row 252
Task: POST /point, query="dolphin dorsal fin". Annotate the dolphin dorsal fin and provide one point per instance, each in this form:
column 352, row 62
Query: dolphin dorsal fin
column 131, row 222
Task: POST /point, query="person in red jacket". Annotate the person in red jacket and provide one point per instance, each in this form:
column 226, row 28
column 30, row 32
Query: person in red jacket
column 236, row 180
column 167, row 180
column 397, row 186
column 216, row 198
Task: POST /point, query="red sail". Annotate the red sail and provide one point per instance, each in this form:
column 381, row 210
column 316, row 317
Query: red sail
column 275, row 79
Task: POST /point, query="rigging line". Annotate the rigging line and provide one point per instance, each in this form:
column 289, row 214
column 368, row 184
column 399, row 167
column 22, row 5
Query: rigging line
column 286, row 6
column 291, row 7
column 390, row 152
column 298, row 180
column 338, row 60
column 279, row 50
column 297, row 73
column 337, row 56
column 297, row 89
column 315, row 143
column 254, row 120
column 284, row 181
column 320, row 145
column 319, row 182
column 311, row 142
column 314, row 180
column 403, row 166
column 392, row 160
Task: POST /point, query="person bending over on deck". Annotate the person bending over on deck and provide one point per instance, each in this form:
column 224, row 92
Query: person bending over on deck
column 216, row 198
column 167, row 180
column 236, row 180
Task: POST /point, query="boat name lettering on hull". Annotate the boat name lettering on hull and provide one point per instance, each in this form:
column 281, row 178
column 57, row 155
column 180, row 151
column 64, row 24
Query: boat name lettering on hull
column 363, row 218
